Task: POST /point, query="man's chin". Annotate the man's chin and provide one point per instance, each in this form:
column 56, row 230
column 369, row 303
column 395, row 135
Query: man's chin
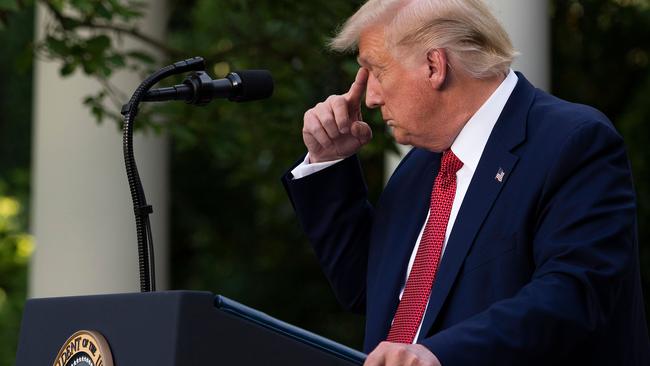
column 400, row 137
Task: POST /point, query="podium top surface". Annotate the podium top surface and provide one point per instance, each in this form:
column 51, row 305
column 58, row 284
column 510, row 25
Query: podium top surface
column 171, row 328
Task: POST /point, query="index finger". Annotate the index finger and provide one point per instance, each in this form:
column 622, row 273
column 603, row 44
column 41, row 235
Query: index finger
column 358, row 87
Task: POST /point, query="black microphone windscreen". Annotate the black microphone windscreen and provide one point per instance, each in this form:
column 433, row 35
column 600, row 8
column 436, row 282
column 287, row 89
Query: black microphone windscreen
column 255, row 84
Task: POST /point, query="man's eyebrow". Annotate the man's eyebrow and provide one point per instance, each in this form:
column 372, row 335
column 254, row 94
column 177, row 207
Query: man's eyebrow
column 369, row 62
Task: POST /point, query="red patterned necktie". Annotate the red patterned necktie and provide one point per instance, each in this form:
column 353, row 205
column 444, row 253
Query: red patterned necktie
column 423, row 273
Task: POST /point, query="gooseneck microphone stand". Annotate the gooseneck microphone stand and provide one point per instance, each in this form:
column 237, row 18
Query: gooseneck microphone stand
column 140, row 206
column 197, row 89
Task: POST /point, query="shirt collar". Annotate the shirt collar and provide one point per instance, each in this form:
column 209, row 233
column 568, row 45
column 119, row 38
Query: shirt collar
column 471, row 140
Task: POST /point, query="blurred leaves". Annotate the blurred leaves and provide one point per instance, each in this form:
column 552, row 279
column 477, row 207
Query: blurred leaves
column 16, row 247
column 85, row 36
column 9, row 5
column 15, row 148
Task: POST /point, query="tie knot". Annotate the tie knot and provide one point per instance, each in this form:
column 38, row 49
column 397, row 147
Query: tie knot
column 450, row 163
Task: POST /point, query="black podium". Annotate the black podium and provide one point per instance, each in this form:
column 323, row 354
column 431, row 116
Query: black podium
column 171, row 329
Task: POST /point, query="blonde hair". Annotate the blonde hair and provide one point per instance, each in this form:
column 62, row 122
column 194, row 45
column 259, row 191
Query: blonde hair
column 472, row 36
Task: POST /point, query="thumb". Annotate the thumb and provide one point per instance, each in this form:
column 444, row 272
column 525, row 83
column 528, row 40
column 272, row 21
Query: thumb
column 361, row 131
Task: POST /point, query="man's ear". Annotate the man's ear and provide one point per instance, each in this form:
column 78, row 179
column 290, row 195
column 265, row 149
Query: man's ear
column 437, row 62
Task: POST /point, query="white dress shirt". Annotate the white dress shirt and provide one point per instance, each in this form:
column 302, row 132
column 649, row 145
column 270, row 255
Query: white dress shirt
column 468, row 147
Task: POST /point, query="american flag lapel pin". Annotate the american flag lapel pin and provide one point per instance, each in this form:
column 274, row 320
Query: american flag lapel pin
column 500, row 175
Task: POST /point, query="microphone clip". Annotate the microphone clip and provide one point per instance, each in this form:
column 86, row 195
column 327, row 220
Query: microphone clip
column 204, row 88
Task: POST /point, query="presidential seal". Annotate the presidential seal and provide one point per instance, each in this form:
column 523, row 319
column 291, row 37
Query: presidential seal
column 85, row 348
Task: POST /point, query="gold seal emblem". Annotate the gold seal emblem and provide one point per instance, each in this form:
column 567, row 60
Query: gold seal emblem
column 85, row 348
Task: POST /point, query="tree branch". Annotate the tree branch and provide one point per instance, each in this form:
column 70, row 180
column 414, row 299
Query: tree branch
column 133, row 32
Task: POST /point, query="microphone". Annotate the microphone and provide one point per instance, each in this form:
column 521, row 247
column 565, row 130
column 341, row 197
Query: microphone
column 199, row 89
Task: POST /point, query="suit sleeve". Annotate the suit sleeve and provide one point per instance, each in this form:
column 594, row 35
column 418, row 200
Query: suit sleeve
column 583, row 251
column 336, row 216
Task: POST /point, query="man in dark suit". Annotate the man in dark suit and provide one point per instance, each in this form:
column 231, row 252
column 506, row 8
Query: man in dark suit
column 506, row 236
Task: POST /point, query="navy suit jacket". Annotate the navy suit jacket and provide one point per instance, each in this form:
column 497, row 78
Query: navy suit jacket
column 541, row 267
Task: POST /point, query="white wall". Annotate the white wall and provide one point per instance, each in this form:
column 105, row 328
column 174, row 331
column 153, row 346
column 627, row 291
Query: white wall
column 82, row 215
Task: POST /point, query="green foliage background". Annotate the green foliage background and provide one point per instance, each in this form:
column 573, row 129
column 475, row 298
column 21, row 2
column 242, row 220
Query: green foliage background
column 15, row 134
column 232, row 229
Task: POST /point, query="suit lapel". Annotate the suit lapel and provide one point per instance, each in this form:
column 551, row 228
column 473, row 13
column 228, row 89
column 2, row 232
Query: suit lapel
column 494, row 168
column 478, row 201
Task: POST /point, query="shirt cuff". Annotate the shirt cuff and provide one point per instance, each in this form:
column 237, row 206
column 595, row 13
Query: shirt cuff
column 305, row 168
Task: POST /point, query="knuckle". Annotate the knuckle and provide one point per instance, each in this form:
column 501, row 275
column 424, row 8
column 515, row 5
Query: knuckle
column 309, row 126
column 334, row 98
column 314, row 128
column 339, row 100
column 318, row 107
column 371, row 360
column 402, row 352
column 331, row 98
column 327, row 120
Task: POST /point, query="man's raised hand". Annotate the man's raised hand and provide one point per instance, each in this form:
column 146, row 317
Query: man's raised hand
column 334, row 129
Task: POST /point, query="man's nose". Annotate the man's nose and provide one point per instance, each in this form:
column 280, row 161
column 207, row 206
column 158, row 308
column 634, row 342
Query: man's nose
column 373, row 93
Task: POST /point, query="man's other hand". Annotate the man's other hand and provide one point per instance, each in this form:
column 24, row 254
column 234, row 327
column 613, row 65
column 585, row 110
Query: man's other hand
column 399, row 354
column 333, row 129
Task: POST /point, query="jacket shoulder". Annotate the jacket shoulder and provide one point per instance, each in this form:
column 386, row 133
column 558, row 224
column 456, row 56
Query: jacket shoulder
column 552, row 116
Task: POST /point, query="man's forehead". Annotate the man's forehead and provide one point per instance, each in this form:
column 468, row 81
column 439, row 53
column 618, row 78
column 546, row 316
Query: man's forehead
column 371, row 46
